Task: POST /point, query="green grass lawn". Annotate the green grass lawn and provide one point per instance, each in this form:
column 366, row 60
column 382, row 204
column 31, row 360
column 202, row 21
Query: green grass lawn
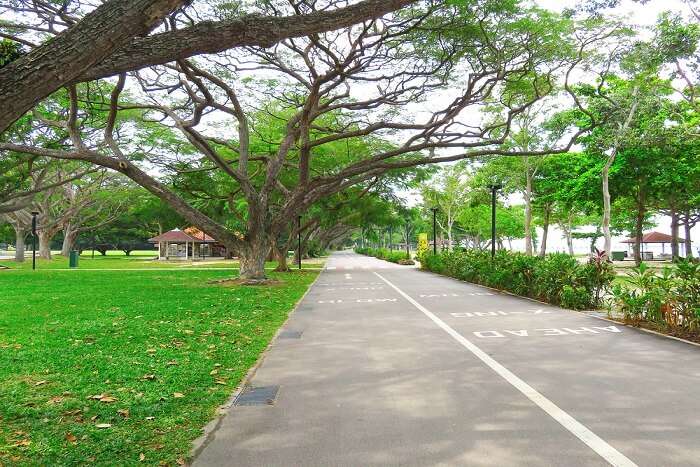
column 141, row 261
column 125, row 367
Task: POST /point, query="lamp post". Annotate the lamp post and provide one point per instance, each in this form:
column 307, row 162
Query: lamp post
column 435, row 210
column 34, row 214
column 408, row 247
column 494, row 188
column 299, row 240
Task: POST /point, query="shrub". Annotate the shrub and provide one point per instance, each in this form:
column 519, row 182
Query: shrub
column 671, row 298
column 557, row 278
column 385, row 254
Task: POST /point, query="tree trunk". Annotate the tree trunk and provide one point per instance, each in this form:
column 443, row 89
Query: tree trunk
column 280, row 255
column 44, row 243
column 567, row 233
column 606, row 172
column 605, row 175
column 69, row 237
column 638, row 234
column 252, row 257
column 528, row 209
column 545, row 232
column 674, row 235
column 688, row 242
column 20, row 235
column 449, row 235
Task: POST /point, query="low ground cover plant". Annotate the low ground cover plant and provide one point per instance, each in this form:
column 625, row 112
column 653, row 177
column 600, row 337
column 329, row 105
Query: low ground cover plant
column 556, row 278
column 398, row 257
column 670, row 299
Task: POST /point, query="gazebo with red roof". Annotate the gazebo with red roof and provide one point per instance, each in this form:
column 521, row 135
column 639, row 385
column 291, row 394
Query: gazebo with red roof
column 654, row 237
column 188, row 243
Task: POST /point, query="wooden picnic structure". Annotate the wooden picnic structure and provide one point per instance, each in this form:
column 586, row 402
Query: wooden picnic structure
column 656, row 238
column 190, row 243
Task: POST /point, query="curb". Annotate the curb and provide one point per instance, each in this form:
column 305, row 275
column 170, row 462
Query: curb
column 199, row 444
column 584, row 312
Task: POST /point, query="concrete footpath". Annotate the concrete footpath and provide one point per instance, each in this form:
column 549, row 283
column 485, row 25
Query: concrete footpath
column 386, row 365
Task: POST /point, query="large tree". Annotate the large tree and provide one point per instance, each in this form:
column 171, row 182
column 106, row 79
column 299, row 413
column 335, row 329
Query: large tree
column 445, row 193
column 347, row 102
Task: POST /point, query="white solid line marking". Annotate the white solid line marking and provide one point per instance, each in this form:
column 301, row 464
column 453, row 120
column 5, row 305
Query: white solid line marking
column 593, row 441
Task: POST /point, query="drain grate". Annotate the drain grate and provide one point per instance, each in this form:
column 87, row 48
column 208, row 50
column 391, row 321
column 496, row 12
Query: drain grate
column 289, row 334
column 263, row 395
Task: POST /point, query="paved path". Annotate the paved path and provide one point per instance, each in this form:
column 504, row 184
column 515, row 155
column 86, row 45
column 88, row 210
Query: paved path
column 400, row 367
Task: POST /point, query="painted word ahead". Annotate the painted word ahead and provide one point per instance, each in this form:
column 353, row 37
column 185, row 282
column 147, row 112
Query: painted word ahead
column 547, row 332
column 481, row 314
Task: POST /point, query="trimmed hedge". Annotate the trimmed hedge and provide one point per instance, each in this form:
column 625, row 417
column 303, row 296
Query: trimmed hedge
column 384, row 253
column 557, row 278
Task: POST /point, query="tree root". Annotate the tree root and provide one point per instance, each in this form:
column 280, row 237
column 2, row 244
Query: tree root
column 241, row 281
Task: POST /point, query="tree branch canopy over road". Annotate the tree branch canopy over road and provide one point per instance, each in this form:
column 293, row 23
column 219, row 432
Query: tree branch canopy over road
column 107, row 41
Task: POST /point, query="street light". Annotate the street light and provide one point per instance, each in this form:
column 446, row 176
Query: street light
column 494, row 187
column 34, row 214
column 435, row 210
column 408, row 229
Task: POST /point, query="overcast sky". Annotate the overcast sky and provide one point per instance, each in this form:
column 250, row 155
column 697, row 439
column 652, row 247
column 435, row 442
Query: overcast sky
column 638, row 14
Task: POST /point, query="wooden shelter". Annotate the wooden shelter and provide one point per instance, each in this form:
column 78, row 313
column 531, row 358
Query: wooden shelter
column 654, row 238
column 190, row 243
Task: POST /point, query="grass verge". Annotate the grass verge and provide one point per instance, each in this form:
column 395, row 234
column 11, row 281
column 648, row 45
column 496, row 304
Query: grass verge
column 141, row 262
column 111, row 368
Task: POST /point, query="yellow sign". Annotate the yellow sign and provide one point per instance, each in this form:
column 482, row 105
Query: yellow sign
column 422, row 242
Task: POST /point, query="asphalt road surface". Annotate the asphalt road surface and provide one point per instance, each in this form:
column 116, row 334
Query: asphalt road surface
column 396, row 366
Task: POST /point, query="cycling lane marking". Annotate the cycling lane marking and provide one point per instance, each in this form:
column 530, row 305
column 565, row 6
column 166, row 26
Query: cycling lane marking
column 593, row 441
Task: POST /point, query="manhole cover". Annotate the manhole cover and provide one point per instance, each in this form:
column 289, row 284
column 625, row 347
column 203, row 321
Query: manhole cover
column 263, row 395
column 290, row 334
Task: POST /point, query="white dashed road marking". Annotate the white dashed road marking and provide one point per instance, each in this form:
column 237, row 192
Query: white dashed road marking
column 597, row 444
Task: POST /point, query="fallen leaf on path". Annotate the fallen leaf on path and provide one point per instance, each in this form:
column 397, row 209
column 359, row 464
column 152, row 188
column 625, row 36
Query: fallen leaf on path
column 178, row 395
column 70, row 437
column 104, row 425
column 142, row 457
column 123, row 412
column 149, row 377
column 24, row 442
column 39, row 383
